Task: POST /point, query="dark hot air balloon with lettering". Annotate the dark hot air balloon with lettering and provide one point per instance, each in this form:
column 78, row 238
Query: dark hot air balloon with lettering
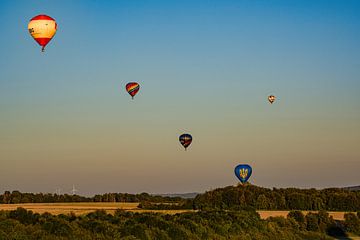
column 185, row 140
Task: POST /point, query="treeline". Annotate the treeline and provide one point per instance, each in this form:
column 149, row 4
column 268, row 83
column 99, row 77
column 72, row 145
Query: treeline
column 253, row 197
column 22, row 224
column 228, row 198
column 18, row 197
column 183, row 204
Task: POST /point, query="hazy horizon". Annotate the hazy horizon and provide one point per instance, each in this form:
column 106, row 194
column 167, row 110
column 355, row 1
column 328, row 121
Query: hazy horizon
column 204, row 68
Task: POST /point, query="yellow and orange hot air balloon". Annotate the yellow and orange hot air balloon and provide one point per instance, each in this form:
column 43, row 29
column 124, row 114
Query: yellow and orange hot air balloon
column 42, row 28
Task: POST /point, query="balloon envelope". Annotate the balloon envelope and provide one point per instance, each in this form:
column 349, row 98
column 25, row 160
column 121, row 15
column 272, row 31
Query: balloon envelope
column 185, row 140
column 243, row 172
column 132, row 88
column 42, row 28
column 271, row 98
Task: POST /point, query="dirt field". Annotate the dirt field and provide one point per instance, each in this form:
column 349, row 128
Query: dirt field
column 65, row 208
column 84, row 208
column 266, row 214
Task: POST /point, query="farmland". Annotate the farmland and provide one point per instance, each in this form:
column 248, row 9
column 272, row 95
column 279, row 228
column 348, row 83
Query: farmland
column 267, row 214
column 223, row 212
column 84, row 208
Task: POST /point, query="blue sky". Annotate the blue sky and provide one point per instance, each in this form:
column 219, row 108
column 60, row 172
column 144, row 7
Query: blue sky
column 205, row 67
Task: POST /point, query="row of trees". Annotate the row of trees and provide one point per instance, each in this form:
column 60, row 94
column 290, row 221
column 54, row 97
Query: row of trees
column 250, row 196
column 18, row 197
column 322, row 222
column 22, row 224
column 229, row 198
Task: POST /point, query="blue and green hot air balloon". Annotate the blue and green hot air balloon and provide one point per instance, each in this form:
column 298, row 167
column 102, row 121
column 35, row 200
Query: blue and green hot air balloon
column 243, row 172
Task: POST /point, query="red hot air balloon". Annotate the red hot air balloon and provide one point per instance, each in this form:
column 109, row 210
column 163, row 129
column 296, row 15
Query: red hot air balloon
column 132, row 88
column 42, row 28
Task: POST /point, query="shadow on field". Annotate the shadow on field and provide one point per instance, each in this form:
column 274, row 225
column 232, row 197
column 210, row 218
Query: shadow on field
column 337, row 231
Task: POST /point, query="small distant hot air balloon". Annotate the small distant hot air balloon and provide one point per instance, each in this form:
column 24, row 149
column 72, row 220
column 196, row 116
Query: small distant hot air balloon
column 271, row 98
column 42, row 28
column 132, row 88
column 185, row 140
column 243, row 172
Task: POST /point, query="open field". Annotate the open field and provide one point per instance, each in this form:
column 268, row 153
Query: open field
column 84, row 208
column 65, row 208
column 266, row 214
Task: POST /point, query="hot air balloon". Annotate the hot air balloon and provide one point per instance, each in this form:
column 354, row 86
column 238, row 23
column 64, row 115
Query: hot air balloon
column 185, row 140
column 132, row 88
column 243, row 172
column 271, row 98
column 42, row 28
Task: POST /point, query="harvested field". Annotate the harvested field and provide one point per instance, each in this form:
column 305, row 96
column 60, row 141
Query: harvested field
column 84, row 208
column 266, row 214
column 65, row 208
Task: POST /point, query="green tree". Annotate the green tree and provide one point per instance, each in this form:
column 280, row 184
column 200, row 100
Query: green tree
column 312, row 222
column 57, row 226
column 7, row 197
column 318, row 204
column 299, row 217
column 297, row 201
column 262, row 202
column 352, row 223
column 23, row 216
column 323, row 220
column 15, row 197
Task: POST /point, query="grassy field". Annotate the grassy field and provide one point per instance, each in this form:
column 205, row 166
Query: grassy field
column 84, row 208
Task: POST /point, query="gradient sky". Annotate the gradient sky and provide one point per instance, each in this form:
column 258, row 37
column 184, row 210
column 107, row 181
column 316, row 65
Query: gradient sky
column 205, row 68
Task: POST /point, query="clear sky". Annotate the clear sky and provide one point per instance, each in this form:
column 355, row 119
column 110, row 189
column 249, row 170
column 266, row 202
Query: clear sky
column 205, row 68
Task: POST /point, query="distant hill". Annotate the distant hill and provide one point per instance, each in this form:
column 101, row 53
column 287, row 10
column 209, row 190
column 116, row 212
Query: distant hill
column 353, row 188
column 181, row 195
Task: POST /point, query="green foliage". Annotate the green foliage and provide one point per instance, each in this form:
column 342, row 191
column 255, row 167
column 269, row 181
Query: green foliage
column 181, row 204
column 18, row 197
column 324, row 220
column 299, row 217
column 250, row 196
column 57, row 226
column 226, row 213
column 241, row 197
column 262, row 202
column 312, row 222
column 20, row 224
column 352, row 223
